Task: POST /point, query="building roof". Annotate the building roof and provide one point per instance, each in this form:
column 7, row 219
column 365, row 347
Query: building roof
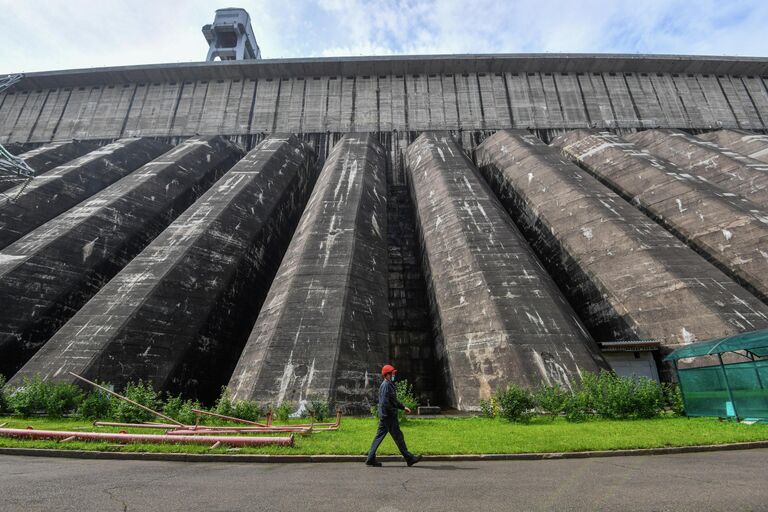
column 630, row 345
column 402, row 64
column 755, row 342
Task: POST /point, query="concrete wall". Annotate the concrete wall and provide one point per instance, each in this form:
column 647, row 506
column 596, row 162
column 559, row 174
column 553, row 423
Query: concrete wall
column 395, row 100
column 413, row 101
column 728, row 170
column 178, row 314
column 323, row 328
column 627, row 276
column 749, row 144
column 61, row 188
column 498, row 316
column 46, row 157
column 727, row 229
column 48, row 274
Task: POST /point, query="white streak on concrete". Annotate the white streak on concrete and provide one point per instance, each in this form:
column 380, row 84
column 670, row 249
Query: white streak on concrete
column 375, row 224
column 88, row 248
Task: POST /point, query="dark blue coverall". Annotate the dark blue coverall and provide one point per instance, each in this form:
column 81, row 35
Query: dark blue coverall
column 388, row 423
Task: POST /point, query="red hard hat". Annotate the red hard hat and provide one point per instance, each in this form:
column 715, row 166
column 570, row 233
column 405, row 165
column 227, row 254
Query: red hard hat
column 387, row 368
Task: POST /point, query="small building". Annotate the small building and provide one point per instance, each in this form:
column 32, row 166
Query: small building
column 632, row 358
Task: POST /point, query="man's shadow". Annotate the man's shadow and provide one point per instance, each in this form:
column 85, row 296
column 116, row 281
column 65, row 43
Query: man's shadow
column 436, row 467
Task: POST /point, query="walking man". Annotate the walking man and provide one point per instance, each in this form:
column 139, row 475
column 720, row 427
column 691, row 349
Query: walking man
column 388, row 423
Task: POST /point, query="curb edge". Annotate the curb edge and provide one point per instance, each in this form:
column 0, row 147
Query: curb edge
column 188, row 457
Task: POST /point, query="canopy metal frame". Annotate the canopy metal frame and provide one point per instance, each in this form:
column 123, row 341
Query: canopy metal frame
column 753, row 346
column 10, row 164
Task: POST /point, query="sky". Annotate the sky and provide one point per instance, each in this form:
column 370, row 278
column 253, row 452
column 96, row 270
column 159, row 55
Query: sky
column 39, row 35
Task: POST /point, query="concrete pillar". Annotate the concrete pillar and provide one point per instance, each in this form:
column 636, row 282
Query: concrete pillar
column 323, row 328
column 194, row 292
column 728, row 170
column 729, row 230
column 499, row 318
column 749, row 144
column 46, row 157
column 58, row 190
column 627, row 276
column 47, row 275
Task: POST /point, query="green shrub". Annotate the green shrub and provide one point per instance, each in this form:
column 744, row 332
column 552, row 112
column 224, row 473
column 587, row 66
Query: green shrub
column 224, row 404
column 317, row 408
column 4, row 409
column 29, row 398
column 181, row 410
column 243, row 409
column 617, row 397
column 406, row 397
column 673, row 398
column 95, row 406
column 247, row 410
column 551, row 400
column 515, row 403
column 140, row 393
column 37, row 397
column 648, row 399
column 283, row 411
column 612, row 396
column 590, row 391
column 61, row 399
column 489, row 408
column 577, row 406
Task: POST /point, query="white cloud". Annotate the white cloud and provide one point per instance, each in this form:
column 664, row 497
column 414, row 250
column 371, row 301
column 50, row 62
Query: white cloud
column 56, row 34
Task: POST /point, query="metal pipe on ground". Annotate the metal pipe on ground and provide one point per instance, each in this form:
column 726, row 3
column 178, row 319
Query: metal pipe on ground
column 257, row 427
column 239, row 441
column 159, row 426
column 228, row 418
column 216, row 432
column 121, row 397
column 314, row 426
column 269, row 420
column 197, row 428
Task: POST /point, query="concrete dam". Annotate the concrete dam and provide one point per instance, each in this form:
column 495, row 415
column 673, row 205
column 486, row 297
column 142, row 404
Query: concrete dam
column 286, row 227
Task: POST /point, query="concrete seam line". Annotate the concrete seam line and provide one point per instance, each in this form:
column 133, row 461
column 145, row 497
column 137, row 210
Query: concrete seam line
column 188, row 457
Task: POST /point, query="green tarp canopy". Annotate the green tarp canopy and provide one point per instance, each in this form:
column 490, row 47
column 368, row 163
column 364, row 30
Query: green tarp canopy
column 736, row 389
column 755, row 342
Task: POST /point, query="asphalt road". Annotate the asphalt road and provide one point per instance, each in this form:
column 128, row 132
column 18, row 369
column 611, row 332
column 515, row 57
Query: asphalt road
column 736, row 480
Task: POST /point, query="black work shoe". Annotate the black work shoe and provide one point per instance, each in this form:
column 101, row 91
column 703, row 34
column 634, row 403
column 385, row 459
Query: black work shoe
column 414, row 460
column 373, row 464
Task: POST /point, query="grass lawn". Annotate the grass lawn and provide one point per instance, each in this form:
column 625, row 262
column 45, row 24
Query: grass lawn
column 448, row 436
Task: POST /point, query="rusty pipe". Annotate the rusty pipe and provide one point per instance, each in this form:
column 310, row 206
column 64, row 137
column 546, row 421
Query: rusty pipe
column 315, row 425
column 229, row 418
column 144, row 438
column 126, row 399
column 205, row 432
column 159, row 426
column 162, row 426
